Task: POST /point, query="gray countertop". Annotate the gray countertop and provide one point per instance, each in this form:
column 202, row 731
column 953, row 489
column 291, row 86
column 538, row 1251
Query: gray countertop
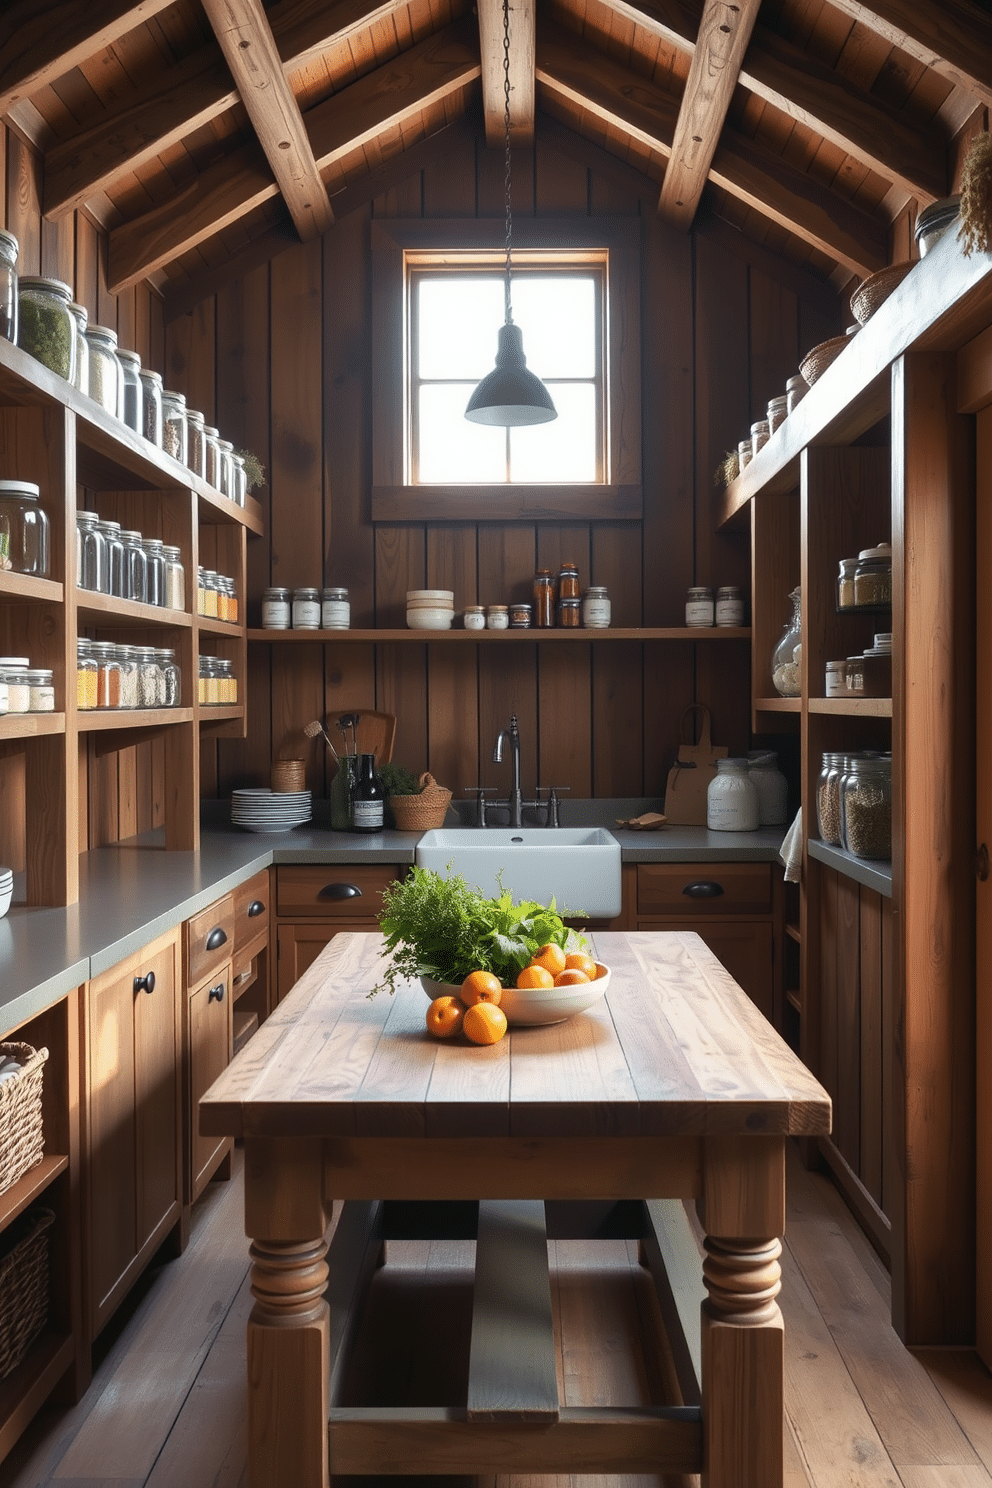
column 135, row 890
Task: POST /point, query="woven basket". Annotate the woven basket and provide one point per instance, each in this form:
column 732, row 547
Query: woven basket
column 288, row 775
column 421, row 813
column 816, row 362
column 875, row 290
column 22, row 1138
column 23, row 1286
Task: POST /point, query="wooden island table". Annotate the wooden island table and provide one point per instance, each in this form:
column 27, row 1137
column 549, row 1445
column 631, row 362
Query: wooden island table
column 673, row 1086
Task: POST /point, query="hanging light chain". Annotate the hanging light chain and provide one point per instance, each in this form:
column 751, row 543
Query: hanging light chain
column 506, row 129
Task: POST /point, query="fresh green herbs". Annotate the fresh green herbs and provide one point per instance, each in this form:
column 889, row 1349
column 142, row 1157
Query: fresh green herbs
column 396, row 780
column 439, row 927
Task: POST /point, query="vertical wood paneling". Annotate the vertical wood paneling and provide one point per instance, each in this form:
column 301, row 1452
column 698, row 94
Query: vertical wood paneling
column 401, row 683
column 872, row 1111
column 24, row 204
column 507, row 676
column 847, row 992
column 620, row 674
column 453, row 673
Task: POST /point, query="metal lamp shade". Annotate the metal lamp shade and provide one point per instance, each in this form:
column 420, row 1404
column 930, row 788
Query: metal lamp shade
column 510, row 395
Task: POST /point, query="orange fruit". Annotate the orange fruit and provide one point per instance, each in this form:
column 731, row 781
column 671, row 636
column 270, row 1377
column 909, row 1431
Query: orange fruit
column 535, row 976
column 601, row 971
column 444, row 1017
column 579, row 961
column 484, row 1023
column 571, row 977
column 551, row 957
column 481, row 986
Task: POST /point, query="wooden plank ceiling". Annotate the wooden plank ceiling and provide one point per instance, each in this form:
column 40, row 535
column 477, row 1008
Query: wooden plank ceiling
column 196, row 131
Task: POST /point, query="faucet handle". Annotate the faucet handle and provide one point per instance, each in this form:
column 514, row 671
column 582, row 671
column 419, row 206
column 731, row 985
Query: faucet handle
column 480, row 802
column 553, row 803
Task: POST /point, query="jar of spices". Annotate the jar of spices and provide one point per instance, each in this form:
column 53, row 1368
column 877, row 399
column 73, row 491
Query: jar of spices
column 828, row 797
column 778, row 409
column 45, row 327
column 151, row 407
column 596, row 609
column 135, row 567
column 570, row 613
column 335, row 610
column 91, row 553
column 174, row 425
column 795, row 391
column 759, row 435
column 24, row 532
column 729, row 607
column 275, row 609
column 115, row 558
column 108, row 674
column 154, row 570
column 474, row 617
column 226, row 483
column 85, row 676
column 14, row 671
column 731, row 798
column 520, row 616
column 497, row 617
column 196, row 446
column 211, row 457
column 207, row 594
column 699, row 610
column 845, row 583
column 306, row 609
column 568, row 582
column 41, row 694
column 131, row 397
column 866, row 804
column 175, row 578
column 835, row 681
column 8, row 287
column 544, row 599
column 771, row 785
column 81, row 376
column 873, row 576
column 104, row 368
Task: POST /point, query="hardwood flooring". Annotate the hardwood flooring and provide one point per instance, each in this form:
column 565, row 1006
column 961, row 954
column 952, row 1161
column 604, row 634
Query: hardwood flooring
column 167, row 1410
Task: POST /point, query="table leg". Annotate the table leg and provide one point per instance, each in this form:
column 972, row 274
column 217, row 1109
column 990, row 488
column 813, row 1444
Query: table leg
column 288, row 1330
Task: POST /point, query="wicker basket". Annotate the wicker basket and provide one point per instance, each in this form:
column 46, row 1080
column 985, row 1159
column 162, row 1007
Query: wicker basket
column 816, row 362
column 875, row 290
column 23, row 1285
column 421, row 813
column 22, row 1138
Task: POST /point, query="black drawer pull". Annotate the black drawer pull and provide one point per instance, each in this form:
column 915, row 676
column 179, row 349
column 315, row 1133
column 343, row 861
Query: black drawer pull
column 256, row 907
column 217, row 937
column 145, row 983
column 705, row 889
column 216, row 994
column 340, row 891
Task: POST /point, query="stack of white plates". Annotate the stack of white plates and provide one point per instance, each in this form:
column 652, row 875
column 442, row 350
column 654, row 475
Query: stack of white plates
column 430, row 609
column 263, row 810
column 6, row 889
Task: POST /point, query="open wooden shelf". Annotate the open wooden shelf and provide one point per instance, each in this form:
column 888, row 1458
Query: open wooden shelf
column 777, row 704
column 25, row 586
column 852, row 707
column 30, row 725
column 386, row 636
column 25, row 1390
column 108, row 609
column 14, row 1200
column 208, row 625
column 131, row 718
column 217, row 713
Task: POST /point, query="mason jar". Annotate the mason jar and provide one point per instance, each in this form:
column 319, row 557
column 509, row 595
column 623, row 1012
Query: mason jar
column 131, row 396
column 196, row 448
column 91, row 553
column 45, row 327
column 105, row 369
column 127, row 663
column 226, row 483
column 14, row 671
column 729, row 606
column 135, row 567
column 335, row 610
column 171, row 677
column 873, row 576
column 85, row 676
column 81, row 376
column 174, row 425
column 596, row 609
column 151, row 406
column 275, row 609
column 8, row 287
column 699, row 608
column 151, row 683
column 207, row 593
column 867, row 808
column 155, row 570
column 41, row 690
column 306, row 609
column 239, row 479
column 175, row 578
column 828, row 812
column 24, row 534
column 211, row 457
column 115, row 558
column 108, row 674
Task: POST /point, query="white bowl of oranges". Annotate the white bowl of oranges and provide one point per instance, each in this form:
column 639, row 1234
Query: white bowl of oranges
column 555, row 986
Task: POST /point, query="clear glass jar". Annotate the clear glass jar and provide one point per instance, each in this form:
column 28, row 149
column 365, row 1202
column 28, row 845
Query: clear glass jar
column 8, row 287
column 18, row 687
column 335, row 610
column 729, row 606
column 778, row 409
column 596, row 608
column 86, row 678
column 104, row 368
column 135, row 567
column 196, row 445
column 474, row 617
column 207, row 593
column 239, row 479
column 867, row 808
column 306, row 609
column 131, row 396
column 154, row 570
column 828, row 813
column 24, row 533
column 115, row 558
column 772, row 787
column 81, row 376
column 171, row 677
column 233, row 606
column 223, row 587
column 174, row 425
column 108, row 674
column 845, row 583
column 226, row 484
column 275, row 609
column 873, row 576
column 151, row 407
column 732, row 798
column 497, row 617
column 787, row 658
column 91, row 554
column 211, row 457
column 745, row 454
column 127, row 660
column 699, row 607
column 41, row 690
column 520, row 616
column 570, row 613
column 544, row 599
column 854, row 677
column 45, row 327
column 151, row 683
column 759, row 435
column 795, row 391
column 835, row 678
column 211, row 684
column 568, row 582
column 175, row 578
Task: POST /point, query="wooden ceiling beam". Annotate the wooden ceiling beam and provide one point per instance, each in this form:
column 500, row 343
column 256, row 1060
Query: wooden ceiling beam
column 724, row 32
column 521, row 72
column 250, row 49
column 182, row 98
column 41, row 40
column 815, row 95
column 569, row 67
column 951, row 36
column 226, row 191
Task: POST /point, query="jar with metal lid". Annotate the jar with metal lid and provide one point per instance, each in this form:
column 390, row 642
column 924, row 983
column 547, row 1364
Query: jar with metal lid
column 745, row 454
column 206, row 593
column 596, row 608
column 45, row 327
column 14, row 671
column 115, row 558
column 108, row 674
column 873, row 576
column 845, row 583
column 520, row 616
column 232, row 601
column 275, row 609
column 239, row 479
column 91, row 553
column 876, row 668
column 729, row 606
column 135, row 567
column 151, row 407
column 130, row 385
column 835, row 678
column 171, row 677
column 175, row 578
column 225, row 592
column 866, row 803
column 41, row 690
column 778, row 411
column 306, row 609
column 174, row 424
column 85, row 676
column 568, row 582
column 8, row 287
column 128, row 661
column 104, row 368
column 151, row 684
column 497, row 617
column 335, row 609
column 795, row 391
column 570, row 614
column 474, row 617
column 209, row 689
column 228, row 682
column 699, row 609
column 828, row 815
column 24, row 534
column 196, row 444
column 732, row 798
column 81, row 375
column 154, row 570
column 771, row 785
column 226, row 483
column 544, row 599
column 759, row 435
column 211, row 456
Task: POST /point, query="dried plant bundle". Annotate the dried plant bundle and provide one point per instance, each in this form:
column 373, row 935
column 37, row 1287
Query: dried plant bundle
column 976, row 197
column 728, row 470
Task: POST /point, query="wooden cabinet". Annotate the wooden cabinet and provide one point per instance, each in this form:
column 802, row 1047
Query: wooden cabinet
column 251, row 983
column 209, row 1011
column 132, row 1048
column 314, row 903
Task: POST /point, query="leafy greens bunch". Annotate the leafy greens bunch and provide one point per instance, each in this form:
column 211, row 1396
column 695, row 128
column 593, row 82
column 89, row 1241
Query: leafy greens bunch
column 439, row 927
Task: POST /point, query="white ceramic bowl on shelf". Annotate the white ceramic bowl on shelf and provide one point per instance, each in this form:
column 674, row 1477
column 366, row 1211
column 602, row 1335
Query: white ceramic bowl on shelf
column 429, row 619
column 441, row 597
column 530, row 1006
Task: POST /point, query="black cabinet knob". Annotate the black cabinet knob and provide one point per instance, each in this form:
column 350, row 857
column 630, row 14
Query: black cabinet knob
column 217, row 937
column 704, row 889
column 340, row 891
column 256, row 907
column 145, row 983
column 216, row 994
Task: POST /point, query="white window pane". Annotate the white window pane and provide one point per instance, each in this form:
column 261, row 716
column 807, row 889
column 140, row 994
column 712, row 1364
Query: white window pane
column 460, row 317
column 557, row 318
column 565, row 449
column 452, row 448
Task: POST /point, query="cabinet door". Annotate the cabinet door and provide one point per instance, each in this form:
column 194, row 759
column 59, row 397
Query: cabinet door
column 745, row 949
column 210, row 1039
column 298, row 947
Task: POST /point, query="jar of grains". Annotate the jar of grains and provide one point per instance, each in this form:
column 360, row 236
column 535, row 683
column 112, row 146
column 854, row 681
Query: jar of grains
column 866, row 804
column 171, row 679
column 41, row 695
column 828, row 797
column 85, row 676
column 778, row 409
column 104, row 368
column 873, row 576
column 845, row 583
column 174, row 425
column 45, row 327
column 81, row 376
column 225, row 484
column 151, row 407
column 211, row 456
column 175, row 578
column 759, row 435
column 14, row 671
column 8, row 286
column 196, row 443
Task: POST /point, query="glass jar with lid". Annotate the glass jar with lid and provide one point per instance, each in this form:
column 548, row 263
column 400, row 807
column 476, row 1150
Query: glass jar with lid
column 778, row 409
column 206, row 596
column 568, row 582
column 131, row 396
column 732, row 798
column 226, row 471
column 45, row 327
column 728, row 608
column 474, row 617
column 211, row 456
column 306, row 609
column 14, row 671
column 155, row 570
column 108, row 674
column 787, row 656
column 127, row 660
column 239, row 479
column 570, row 613
column 91, row 553
column 85, row 676
column 81, row 376
column 24, row 534
column 8, row 287
column 544, row 599
column 828, row 814
column 845, row 583
column 497, row 617
column 873, row 577
column 151, row 406
column 596, row 608
column 105, row 369
column 151, row 683
column 795, row 391
column 275, row 608
column 115, row 558
column 174, row 425
column 335, row 610
column 171, row 677
column 41, row 690
column 223, row 587
column 771, row 785
column 175, row 578
column 196, row 448
column 866, row 803
column 135, row 567
column 520, row 616
column 759, row 435
column 699, row 607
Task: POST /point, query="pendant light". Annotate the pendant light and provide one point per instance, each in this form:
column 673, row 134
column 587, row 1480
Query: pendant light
column 510, row 395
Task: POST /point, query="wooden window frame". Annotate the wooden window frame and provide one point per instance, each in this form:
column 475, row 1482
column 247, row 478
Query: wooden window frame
column 395, row 500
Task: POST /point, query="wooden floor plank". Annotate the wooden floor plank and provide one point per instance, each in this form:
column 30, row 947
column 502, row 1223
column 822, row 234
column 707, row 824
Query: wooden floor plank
column 966, row 1385
column 944, row 1477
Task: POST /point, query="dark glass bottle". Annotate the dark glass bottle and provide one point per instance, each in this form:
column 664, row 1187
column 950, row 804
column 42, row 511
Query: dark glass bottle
column 367, row 797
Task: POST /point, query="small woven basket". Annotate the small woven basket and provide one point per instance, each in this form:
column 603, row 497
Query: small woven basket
column 22, row 1137
column 816, row 362
column 288, row 775
column 875, row 290
column 421, row 813
column 23, row 1286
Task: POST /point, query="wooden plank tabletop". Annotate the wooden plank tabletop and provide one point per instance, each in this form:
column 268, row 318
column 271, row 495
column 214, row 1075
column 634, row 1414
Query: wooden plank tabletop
column 675, row 1048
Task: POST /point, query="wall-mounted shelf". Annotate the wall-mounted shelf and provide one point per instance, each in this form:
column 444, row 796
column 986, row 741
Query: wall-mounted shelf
column 24, row 586
column 107, row 609
column 501, row 637
column 31, row 725
column 132, row 718
column 874, row 875
column 852, row 707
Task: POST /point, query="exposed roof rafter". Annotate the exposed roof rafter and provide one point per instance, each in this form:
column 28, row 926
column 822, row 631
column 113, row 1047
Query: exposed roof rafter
column 521, row 73
column 39, row 42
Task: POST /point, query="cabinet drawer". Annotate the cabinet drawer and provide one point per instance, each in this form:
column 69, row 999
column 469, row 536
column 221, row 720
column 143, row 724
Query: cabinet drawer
column 251, row 909
column 209, row 939
column 342, row 890
column 704, row 889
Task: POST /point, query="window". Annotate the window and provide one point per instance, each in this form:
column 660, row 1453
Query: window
column 437, row 309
